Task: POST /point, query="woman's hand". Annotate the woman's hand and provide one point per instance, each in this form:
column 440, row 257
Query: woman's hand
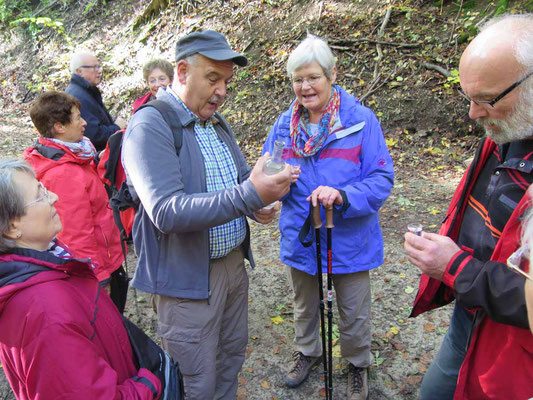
column 325, row 195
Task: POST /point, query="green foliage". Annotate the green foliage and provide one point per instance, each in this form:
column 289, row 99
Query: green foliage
column 453, row 79
column 36, row 25
column 501, row 7
column 9, row 8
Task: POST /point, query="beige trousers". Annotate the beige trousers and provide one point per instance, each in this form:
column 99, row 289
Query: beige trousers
column 208, row 337
column 352, row 295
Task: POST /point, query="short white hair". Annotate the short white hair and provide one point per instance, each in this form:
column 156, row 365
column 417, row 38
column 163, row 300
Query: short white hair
column 520, row 25
column 78, row 59
column 312, row 48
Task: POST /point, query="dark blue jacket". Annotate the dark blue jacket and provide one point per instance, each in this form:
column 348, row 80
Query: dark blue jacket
column 100, row 125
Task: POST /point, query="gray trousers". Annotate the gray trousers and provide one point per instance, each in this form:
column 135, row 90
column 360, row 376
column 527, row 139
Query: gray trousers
column 208, row 337
column 352, row 292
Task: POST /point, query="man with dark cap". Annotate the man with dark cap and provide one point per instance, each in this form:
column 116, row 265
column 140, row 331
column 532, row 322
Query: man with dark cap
column 190, row 233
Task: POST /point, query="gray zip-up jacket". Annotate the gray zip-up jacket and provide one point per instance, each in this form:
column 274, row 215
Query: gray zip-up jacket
column 171, row 228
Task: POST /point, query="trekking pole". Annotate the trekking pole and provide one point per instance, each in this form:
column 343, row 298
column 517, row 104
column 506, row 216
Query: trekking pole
column 329, row 225
column 317, row 223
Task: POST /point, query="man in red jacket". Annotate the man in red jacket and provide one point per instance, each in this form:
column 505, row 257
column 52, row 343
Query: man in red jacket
column 488, row 350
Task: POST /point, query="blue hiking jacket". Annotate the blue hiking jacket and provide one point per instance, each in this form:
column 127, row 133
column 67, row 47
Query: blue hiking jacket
column 354, row 160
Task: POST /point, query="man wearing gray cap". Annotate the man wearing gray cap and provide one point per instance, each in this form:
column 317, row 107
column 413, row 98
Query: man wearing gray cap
column 190, row 233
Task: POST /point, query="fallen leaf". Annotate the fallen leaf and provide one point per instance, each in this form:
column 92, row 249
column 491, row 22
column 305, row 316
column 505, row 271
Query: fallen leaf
column 265, row 385
column 409, row 289
column 429, row 327
column 276, row 320
column 322, row 392
column 276, row 349
column 414, row 379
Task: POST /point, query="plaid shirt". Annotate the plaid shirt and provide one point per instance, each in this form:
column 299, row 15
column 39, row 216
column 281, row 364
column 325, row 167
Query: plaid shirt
column 221, row 173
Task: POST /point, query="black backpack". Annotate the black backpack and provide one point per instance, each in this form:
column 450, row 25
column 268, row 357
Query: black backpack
column 153, row 358
column 123, row 202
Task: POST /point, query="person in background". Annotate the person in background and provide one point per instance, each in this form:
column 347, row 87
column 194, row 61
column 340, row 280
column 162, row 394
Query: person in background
column 63, row 159
column 339, row 146
column 86, row 75
column 157, row 73
column 190, row 232
column 61, row 337
column 488, row 348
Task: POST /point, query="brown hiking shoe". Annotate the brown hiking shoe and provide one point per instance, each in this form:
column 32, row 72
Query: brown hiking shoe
column 300, row 369
column 357, row 383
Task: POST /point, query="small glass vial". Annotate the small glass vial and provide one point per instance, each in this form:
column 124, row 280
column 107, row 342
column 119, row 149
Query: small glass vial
column 275, row 163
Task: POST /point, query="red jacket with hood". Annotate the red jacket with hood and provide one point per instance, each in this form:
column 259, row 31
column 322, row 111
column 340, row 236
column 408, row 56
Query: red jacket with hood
column 61, row 336
column 499, row 358
column 88, row 225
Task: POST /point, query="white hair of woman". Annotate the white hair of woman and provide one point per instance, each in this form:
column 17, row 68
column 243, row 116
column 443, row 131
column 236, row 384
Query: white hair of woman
column 312, row 48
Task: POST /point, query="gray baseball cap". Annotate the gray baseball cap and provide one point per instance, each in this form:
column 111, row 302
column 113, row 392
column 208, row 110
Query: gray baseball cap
column 210, row 44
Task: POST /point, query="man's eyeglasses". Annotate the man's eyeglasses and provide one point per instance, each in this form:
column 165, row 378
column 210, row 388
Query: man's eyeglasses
column 497, row 98
column 515, row 260
column 44, row 195
column 95, row 67
column 311, row 80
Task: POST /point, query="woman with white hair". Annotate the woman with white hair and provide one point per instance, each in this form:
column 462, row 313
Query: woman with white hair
column 61, row 336
column 345, row 164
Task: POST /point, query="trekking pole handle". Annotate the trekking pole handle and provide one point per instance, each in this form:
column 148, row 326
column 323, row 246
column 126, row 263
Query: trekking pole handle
column 317, row 222
column 329, row 217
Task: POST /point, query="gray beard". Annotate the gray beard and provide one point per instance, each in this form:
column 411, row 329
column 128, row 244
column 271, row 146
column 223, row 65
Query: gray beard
column 518, row 126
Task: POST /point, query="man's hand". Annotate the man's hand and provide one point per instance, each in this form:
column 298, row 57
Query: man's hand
column 430, row 252
column 266, row 215
column 121, row 122
column 326, row 196
column 271, row 187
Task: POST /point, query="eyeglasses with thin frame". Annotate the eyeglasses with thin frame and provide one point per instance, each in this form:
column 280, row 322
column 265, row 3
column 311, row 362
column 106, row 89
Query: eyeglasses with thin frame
column 515, row 259
column 45, row 195
column 497, row 98
column 311, row 80
column 95, row 67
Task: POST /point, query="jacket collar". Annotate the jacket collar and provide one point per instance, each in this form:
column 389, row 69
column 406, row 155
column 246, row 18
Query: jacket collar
column 184, row 116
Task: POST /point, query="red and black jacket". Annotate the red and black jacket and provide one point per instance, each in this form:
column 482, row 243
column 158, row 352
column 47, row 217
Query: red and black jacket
column 500, row 354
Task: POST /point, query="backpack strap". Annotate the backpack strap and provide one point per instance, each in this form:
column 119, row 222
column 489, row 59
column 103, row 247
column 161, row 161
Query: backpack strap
column 114, row 144
column 171, row 118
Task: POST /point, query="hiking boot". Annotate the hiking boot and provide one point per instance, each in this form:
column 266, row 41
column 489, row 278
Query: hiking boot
column 357, row 383
column 300, row 369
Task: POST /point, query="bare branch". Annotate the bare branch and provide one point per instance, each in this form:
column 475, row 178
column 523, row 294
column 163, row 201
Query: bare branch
column 437, row 68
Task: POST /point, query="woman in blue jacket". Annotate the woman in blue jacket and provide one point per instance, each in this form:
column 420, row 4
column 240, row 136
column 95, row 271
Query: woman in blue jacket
column 345, row 163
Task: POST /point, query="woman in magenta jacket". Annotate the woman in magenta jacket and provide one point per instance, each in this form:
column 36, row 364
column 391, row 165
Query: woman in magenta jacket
column 61, row 337
column 63, row 160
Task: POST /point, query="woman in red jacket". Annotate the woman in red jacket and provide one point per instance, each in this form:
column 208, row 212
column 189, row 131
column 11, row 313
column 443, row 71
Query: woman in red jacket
column 61, row 337
column 63, row 160
column 157, row 73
